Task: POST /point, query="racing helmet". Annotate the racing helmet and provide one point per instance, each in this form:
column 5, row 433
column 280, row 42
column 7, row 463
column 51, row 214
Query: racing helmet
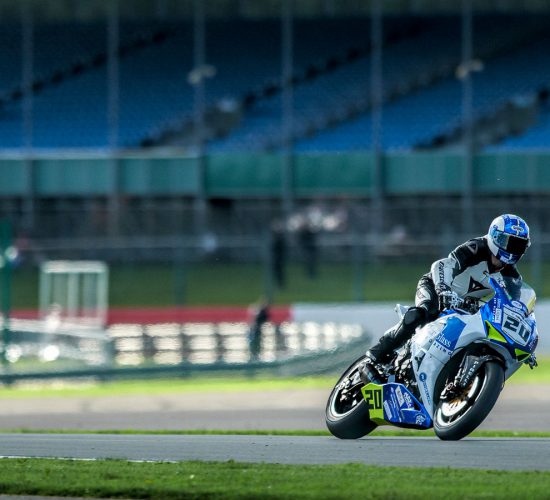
column 508, row 238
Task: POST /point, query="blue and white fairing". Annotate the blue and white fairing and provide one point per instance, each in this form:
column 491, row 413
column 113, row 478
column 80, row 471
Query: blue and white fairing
column 508, row 325
column 511, row 324
column 393, row 403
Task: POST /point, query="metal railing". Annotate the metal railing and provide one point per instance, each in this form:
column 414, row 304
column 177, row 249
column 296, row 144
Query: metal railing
column 164, row 349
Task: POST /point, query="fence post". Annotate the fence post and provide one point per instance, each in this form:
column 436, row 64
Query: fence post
column 179, row 277
column 6, row 258
column 267, row 248
column 358, row 269
column 536, row 259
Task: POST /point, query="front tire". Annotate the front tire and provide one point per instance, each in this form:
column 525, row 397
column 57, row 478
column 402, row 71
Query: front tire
column 458, row 417
column 346, row 413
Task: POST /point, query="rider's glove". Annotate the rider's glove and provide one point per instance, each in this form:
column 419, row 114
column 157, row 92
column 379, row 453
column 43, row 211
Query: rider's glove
column 449, row 300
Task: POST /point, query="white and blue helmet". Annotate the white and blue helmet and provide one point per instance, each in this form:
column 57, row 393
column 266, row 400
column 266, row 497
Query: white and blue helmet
column 508, row 238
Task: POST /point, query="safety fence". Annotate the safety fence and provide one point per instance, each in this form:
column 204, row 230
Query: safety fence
column 32, row 348
column 224, row 342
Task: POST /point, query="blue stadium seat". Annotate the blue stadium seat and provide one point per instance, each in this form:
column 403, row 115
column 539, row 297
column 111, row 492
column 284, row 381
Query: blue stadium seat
column 331, row 108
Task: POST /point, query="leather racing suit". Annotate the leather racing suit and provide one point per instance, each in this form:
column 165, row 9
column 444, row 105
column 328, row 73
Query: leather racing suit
column 466, row 272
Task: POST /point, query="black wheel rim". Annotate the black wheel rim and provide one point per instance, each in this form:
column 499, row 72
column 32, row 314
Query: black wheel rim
column 449, row 413
column 347, row 393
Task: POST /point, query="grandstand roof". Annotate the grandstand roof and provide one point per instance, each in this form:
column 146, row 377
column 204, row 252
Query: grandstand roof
column 93, row 10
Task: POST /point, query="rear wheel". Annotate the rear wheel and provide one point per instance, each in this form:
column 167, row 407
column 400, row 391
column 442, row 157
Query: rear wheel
column 347, row 414
column 457, row 417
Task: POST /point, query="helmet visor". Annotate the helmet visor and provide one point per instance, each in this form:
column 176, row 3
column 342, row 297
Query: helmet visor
column 511, row 244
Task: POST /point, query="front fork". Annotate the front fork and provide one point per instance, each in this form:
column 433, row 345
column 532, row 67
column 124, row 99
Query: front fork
column 469, row 366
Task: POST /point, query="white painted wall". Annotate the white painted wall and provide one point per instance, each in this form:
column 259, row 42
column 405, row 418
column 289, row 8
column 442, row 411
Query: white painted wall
column 376, row 318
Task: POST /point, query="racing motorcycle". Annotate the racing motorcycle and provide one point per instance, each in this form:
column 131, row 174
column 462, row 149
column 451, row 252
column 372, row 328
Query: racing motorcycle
column 447, row 376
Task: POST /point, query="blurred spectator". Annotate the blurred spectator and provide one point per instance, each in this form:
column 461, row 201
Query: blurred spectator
column 260, row 316
column 209, row 244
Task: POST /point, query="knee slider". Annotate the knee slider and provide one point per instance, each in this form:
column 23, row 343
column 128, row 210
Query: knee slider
column 414, row 316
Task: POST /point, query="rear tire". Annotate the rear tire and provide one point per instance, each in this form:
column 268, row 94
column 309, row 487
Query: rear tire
column 347, row 414
column 455, row 419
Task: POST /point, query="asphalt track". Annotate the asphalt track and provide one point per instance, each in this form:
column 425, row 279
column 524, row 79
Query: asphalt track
column 501, row 454
column 521, row 408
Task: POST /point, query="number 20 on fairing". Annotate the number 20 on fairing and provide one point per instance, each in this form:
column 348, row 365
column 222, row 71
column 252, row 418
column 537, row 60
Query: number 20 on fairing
column 516, row 328
column 373, row 399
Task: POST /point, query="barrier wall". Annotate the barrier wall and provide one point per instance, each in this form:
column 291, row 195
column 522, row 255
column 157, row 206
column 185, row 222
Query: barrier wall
column 260, row 175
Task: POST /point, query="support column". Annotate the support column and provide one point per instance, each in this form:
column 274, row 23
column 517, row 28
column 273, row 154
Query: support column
column 287, row 49
column 467, row 117
column 377, row 205
column 27, row 77
column 199, row 59
column 113, row 112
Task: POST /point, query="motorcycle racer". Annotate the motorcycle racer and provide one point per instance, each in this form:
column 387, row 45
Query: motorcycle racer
column 463, row 274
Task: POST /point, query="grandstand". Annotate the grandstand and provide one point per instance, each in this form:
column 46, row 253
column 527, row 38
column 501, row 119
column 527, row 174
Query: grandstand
column 223, row 153
column 332, row 62
column 130, row 133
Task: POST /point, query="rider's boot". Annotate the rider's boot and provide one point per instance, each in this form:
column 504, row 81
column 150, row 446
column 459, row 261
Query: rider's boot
column 379, row 354
column 395, row 337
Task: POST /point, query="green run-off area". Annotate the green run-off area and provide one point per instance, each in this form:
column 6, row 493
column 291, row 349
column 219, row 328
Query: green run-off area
column 122, row 479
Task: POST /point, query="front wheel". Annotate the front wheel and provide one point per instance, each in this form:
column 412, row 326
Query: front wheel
column 456, row 418
column 347, row 414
